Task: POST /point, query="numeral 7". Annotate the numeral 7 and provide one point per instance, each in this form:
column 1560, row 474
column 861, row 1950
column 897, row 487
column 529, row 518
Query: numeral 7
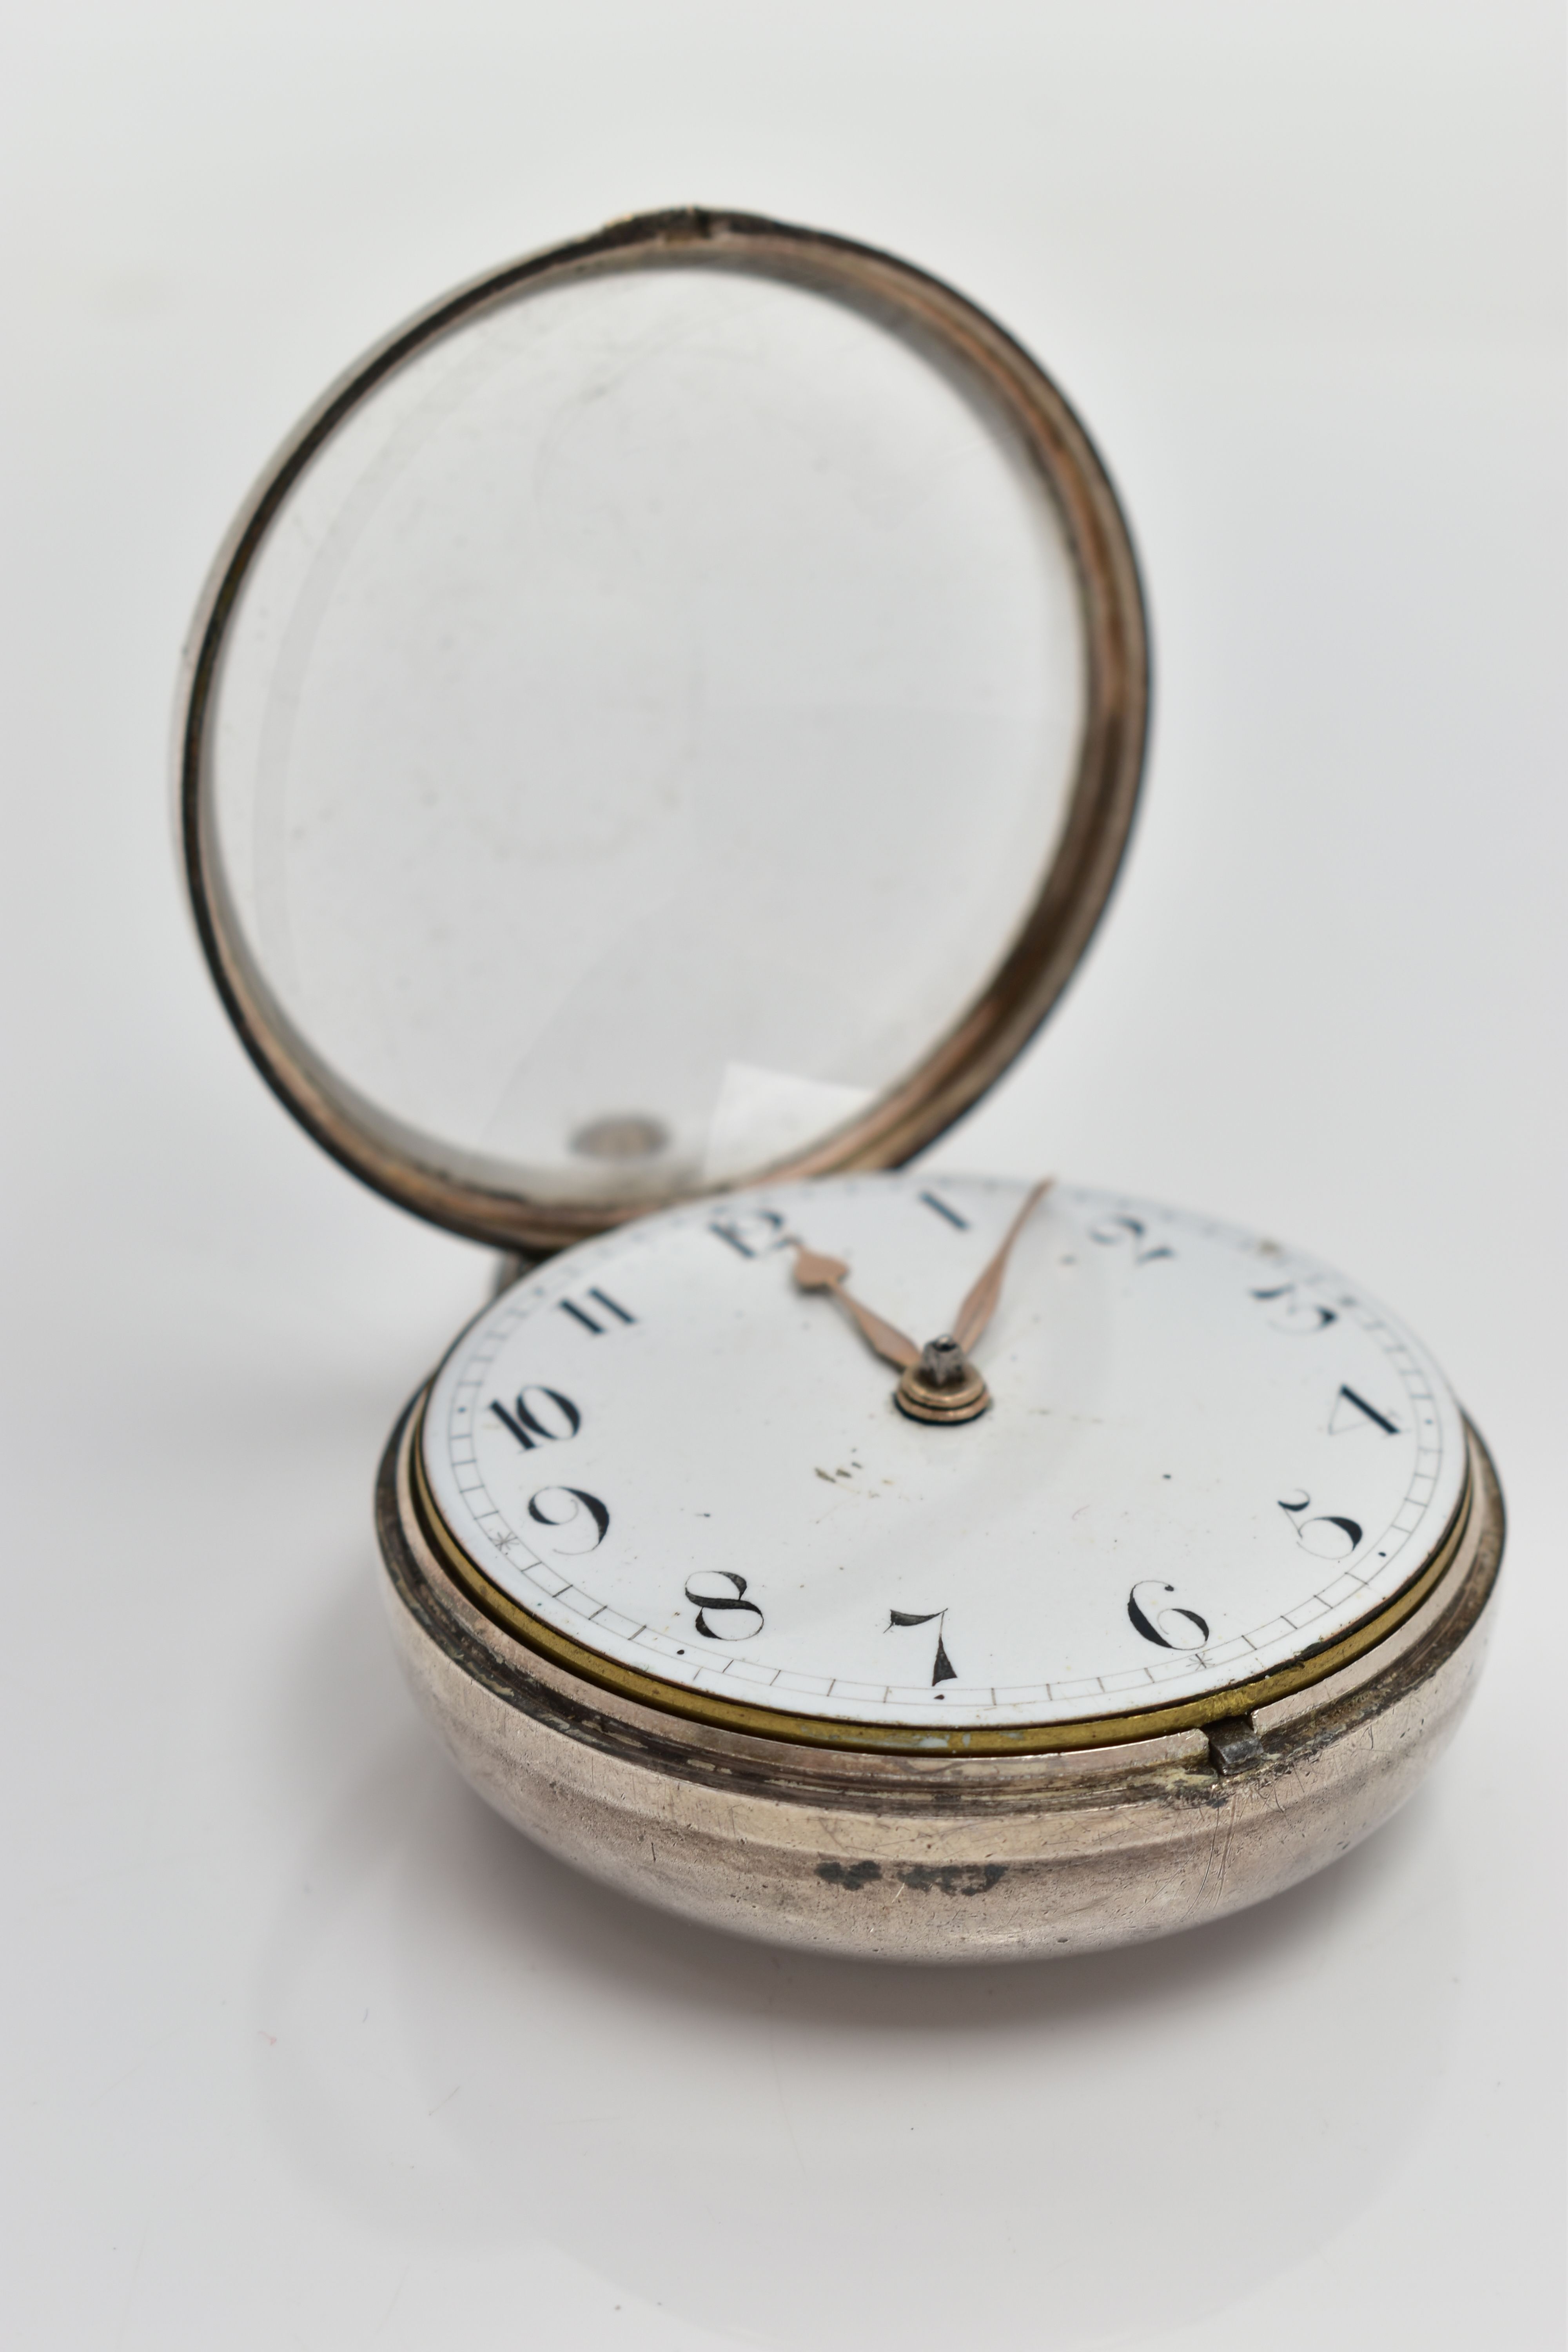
column 943, row 1668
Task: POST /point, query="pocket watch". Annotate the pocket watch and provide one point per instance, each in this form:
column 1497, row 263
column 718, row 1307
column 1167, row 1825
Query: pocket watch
column 654, row 748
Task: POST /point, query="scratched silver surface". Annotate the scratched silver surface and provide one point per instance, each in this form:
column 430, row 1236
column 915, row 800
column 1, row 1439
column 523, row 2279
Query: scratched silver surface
column 903, row 1858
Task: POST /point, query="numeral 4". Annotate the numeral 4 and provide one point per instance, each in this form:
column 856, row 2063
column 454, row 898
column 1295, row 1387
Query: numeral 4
column 1352, row 1412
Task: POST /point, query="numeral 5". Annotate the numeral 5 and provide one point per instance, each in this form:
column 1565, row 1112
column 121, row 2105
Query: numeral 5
column 1327, row 1536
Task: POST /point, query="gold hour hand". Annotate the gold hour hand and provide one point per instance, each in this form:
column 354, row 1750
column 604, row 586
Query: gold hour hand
column 814, row 1272
column 980, row 1303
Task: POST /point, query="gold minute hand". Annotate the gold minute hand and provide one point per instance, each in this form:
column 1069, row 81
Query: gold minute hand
column 980, row 1303
column 814, row 1271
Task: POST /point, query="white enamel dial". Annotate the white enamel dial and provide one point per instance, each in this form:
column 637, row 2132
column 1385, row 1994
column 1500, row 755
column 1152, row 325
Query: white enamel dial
column 1208, row 1456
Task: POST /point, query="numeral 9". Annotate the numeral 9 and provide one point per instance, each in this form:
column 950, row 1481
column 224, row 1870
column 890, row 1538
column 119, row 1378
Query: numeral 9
column 578, row 1506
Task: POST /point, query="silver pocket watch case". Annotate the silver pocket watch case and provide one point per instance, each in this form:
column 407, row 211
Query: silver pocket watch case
column 661, row 734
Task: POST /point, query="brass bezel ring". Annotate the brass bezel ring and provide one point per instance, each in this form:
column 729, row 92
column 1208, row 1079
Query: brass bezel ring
column 923, row 1739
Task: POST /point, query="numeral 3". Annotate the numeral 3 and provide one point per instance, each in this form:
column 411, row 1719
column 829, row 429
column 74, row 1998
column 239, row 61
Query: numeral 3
column 1300, row 1317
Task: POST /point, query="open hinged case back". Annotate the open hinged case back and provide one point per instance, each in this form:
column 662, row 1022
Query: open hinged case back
column 672, row 714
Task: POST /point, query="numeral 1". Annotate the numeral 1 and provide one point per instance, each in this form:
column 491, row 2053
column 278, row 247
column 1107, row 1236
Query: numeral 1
column 943, row 1209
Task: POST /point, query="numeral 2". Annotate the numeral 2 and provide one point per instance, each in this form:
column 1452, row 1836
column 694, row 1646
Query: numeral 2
column 1111, row 1230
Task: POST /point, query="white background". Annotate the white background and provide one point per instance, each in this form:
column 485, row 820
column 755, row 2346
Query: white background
column 301, row 2046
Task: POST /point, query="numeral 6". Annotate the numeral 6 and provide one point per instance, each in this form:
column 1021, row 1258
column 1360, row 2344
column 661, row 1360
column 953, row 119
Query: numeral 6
column 1167, row 1624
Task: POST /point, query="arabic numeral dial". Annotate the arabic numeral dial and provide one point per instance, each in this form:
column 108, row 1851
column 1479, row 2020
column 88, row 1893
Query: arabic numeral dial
column 1204, row 1461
